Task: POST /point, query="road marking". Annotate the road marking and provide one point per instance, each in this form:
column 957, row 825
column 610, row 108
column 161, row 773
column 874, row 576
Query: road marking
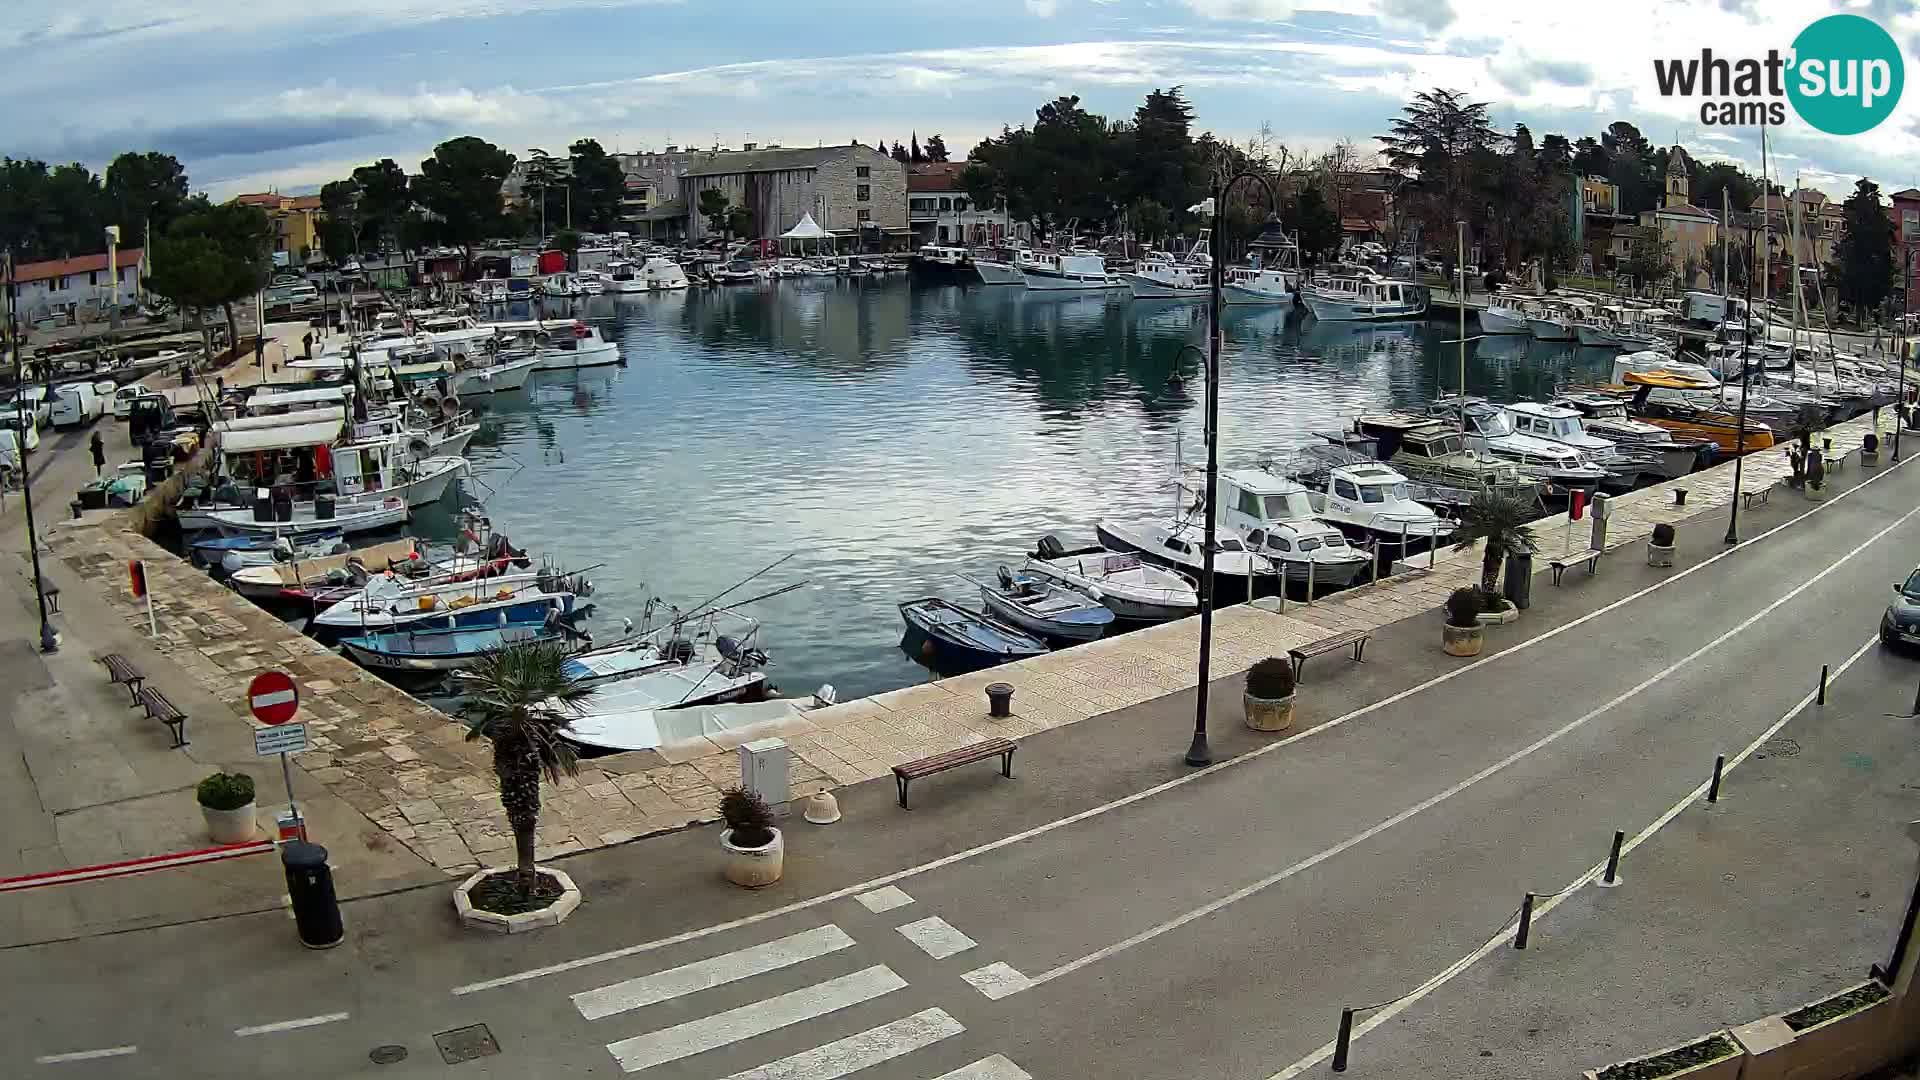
column 85, row 1055
column 1501, row 937
column 1124, row 801
column 936, row 937
column 758, row 1018
column 996, row 1067
column 996, row 981
column 855, row 1052
column 290, row 1025
column 886, row 899
column 716, row 971
column 1439, row 797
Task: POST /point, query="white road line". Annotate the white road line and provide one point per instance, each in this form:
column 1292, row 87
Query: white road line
column 936, row 937
column 758, row 1018
column 85, row 1055
column 290, row 1025
column 886, row 899
column 996, row 1067
column 1436, row 799
column 716, row 971
column 996, row 981
column 1501, row 938
column 1158, row 789
column 855, row 1052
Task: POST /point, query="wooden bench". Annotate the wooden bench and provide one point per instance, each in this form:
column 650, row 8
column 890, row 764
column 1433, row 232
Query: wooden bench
column 1751, row 499
column 123, row 673
column 907, row 772
column 1591, row 557
column 1357, row 639
column 159, row 708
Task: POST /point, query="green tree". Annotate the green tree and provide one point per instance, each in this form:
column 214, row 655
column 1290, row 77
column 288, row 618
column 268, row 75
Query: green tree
column 598, row 186
column 1447, row 141
column 1163, row 164
column 243, row 237
column 713, row 207
column 1711, row 180
column 1150, row 220
column 567, row 241
column 1314, row 225
column 460, row 184
column 1589, row 158
column 913, row 153
column 900, row 153
column 144, row 192
column 739, row 222
column 1649, row 257
column 1863, row 258
column 1500, row 519
column 192, row 272
column 520, row 699
column 545, row 174
column 936, row 148
column 340, row 222
column 384, row 200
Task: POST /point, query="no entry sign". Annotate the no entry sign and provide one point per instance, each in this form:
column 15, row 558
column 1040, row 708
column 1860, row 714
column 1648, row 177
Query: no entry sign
column 273, row 697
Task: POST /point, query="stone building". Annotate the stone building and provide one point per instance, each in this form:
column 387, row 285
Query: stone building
column 1686, row 231
column 940, row 211
column 852, row 191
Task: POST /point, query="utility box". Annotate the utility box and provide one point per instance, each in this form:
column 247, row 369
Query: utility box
column 763, row 770
column 1602, row 511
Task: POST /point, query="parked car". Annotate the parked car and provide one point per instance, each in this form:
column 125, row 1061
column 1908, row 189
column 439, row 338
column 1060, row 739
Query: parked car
column 123, row 398
column 38, row 405
column 1900, row 624
column 76, row 405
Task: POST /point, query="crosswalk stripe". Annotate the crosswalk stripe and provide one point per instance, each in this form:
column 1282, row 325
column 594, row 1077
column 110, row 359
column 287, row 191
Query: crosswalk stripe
column 996, row 1067
column 884, row 899
column 716, row 971
column 855, row 1052
column 936, row 937
column 758, row 1018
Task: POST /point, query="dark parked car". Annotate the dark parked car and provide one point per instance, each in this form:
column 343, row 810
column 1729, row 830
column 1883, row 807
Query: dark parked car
column 1901, row 623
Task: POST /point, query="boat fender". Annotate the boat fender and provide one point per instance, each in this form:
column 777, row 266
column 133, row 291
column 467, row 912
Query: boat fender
column 1094, row 594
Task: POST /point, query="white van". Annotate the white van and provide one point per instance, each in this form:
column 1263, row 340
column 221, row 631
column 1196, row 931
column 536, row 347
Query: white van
column 76, row 404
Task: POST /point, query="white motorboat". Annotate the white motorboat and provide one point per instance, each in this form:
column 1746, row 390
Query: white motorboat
column 391, row 602
column 1555, row 319
column 1238, row 574
column 674, row 680
column 592, row 283
column 1561, row 424
column 1506, row 313
column 624, row 277
column 489, row 291
column 380, row 460
column 562, row 285
column 1245, row 285
column 660, row 274
column 1131, row 588
column 284, row 550
column 1077, row 271
column 1369, row 500
column 1160, row 277
column 1491, row 431
column 560, row 345
column 1274, row 517
column 291, row 580
column 306, row 518
column 646, row 729
column 1606, row 415
column 1364, row 299
column 1004, row 266
column 502, row 374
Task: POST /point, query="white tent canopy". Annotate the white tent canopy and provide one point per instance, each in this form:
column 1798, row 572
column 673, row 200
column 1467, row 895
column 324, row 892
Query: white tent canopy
column 808, row 229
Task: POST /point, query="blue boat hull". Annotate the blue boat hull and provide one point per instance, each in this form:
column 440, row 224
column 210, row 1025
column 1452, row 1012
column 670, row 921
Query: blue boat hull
column 975, row 643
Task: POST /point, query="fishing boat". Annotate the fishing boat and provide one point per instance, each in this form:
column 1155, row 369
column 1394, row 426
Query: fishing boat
column 1002, row 266
column 391, row 602
column 560, row 345
column 284, row 550
column 951, row 639
column 1687, row 408
column 439, row 651
column 1433, row 453
column 1554, row 320
column 1490, row 431
column 1268, row 287
column 647, row 729
column 1075, row 271
column 499, row 373
column 1506, row 313
column 302, row 519
column 1134, row 590
column 291, row 581
column 1160, row 276
column 1368, row 299
column 1273, row 516
column 1043, row 608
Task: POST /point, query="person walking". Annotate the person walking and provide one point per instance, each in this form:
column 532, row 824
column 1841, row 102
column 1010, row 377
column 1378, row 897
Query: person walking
column 307, row 341
column 99, row 455
column 260, row 351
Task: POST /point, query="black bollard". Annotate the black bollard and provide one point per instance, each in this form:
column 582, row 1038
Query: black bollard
column 316, row 910
column 999, row 700
column 1822, row 699
column 1341, row 1041
column 1526, row 922
column 1612, row 876
column 1713, row 789
column 1679, row 496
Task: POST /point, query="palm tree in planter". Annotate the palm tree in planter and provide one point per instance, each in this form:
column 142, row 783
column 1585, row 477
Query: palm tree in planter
column 1500, row 518
column 520, row 699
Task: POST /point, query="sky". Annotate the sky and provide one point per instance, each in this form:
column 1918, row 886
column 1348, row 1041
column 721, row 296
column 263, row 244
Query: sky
column 290, row 96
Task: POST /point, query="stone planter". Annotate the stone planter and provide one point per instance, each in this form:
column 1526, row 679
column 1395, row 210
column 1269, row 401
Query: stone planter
column 552, row 915
column 235, row 826
column 1461, row 640
column 1507, row 613
column 754, row 868
column 1659, row 556
column 1722, row 1068
column 1851, row 1044
column 1268, row 714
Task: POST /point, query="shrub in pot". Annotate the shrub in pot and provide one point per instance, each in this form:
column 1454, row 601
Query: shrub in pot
column 755, row 850
column 226, row 801
column 1462, row 635
column 1660, row 546
column 1269, row 695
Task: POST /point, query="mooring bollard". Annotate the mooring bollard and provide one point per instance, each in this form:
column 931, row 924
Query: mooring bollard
column 1612, row 876
column 1310, row 565
column 1341, row 1041
column 1679, row 496
column 1916, row 701
column 1713, row 789
column 1526, row 922
column 999, row 700
column 1822, row 699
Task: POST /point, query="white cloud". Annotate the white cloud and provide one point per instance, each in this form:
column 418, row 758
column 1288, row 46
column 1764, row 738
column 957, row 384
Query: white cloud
column 1046, row 9
column 1247, row 10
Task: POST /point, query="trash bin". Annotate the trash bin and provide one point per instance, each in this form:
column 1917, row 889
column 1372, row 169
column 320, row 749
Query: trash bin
column 316, row 910
column 262, row 505
column 323, row 507
column 1518, row 586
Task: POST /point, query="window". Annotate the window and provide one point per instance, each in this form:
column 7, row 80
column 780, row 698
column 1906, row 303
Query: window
column 1278, row 543
column 1249, row 504
column 1309, row 544
column 862, row 171
column 946, row 204
column 1174, row 544
column 864, row 215
column 960, row 204
column 1345, row 489
column 93, row 277
column 922, row 206
column 1372, row 493
column 1230, row 545
column 863, row 193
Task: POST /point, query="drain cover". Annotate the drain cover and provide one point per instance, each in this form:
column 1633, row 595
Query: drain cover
column 466, row 1044
column 387, row 1055
column 1778, row 748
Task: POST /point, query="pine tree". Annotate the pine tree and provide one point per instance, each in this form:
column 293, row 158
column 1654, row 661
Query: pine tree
column 914, row 154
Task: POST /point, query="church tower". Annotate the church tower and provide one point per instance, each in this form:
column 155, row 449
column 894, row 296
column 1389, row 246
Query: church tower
column 1678, row 191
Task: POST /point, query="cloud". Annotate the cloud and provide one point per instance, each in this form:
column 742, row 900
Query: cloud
column 1434, row 15
column 1244, row 10
column 1046, row 9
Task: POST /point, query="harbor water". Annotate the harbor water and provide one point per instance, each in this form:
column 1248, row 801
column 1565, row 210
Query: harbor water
column 894, row 437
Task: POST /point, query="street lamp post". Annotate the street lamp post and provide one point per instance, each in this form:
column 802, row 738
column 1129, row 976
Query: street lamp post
column 1906, row 301
column 1740, row 422
column 48, row 641
column 1199, row 753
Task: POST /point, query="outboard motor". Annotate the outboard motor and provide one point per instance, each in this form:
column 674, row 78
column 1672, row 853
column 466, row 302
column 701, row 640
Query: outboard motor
column 282, row 549
column 1049, row 548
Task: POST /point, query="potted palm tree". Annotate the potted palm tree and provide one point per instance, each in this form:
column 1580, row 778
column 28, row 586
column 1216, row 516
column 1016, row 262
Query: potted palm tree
column 1269, row 695
column 520, row 699
column 1462, row 634
column 1660, row 546
column 226, row 802
column 1500, row 518
column 756, row 854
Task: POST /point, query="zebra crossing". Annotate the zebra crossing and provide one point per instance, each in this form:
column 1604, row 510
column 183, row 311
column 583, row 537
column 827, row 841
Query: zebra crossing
column 797, row 956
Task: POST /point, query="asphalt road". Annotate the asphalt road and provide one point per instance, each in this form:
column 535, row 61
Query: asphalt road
column 1211, row 927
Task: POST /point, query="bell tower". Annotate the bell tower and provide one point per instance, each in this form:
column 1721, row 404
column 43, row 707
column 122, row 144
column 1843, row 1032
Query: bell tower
column 1678, row 190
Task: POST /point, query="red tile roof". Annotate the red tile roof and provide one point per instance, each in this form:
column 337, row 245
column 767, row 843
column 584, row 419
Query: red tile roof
column 81, row 264
column 935, row 176
column 1910, row 193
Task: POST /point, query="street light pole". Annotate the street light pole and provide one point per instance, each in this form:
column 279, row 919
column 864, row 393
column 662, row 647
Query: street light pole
column 1199, row 753
column 1906, row 301
column 48, row 641
column 1740, row 422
